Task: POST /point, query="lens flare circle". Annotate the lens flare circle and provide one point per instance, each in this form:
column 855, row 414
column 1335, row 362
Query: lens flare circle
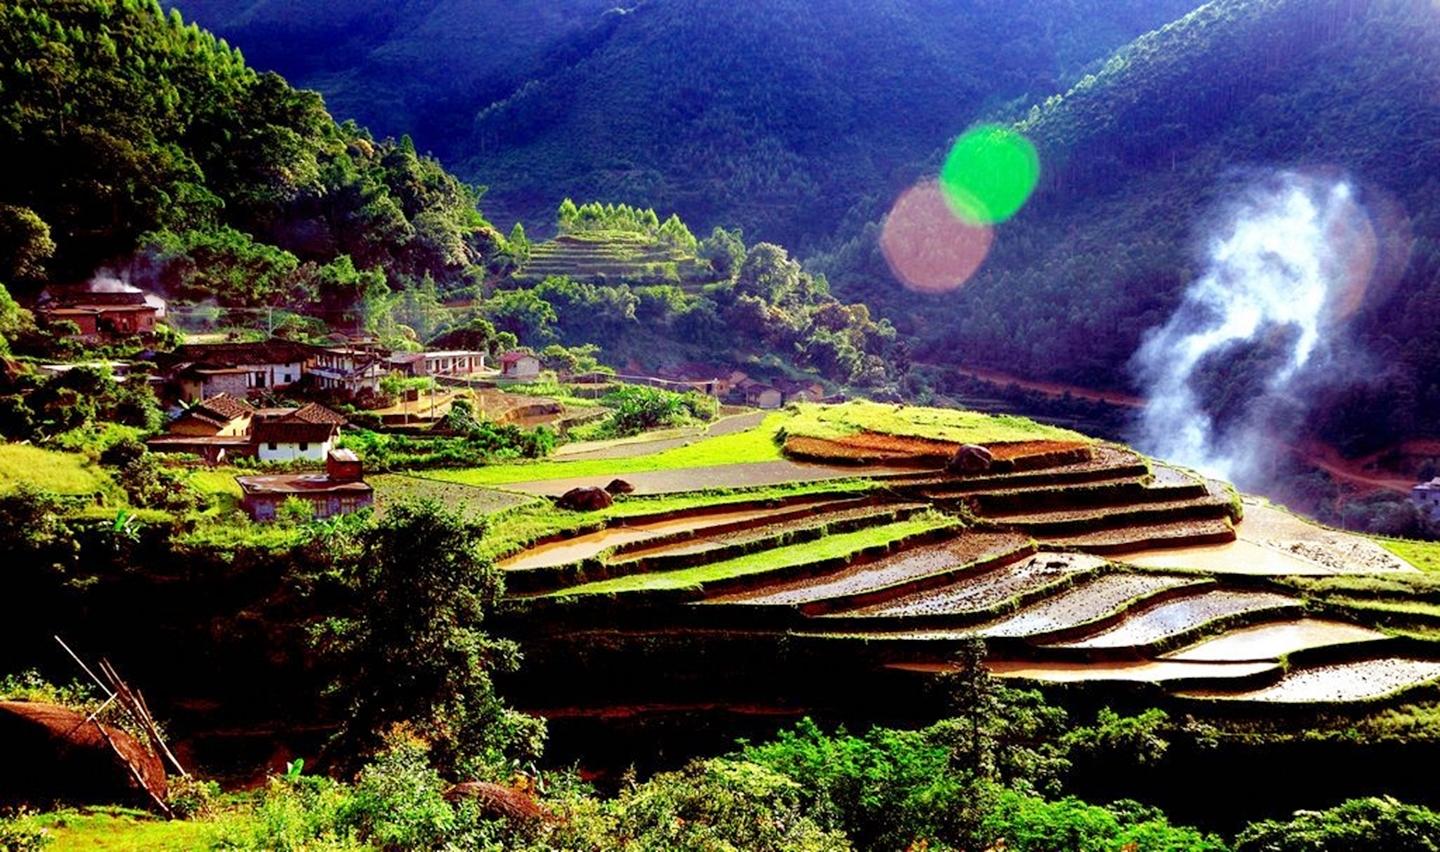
column 927, row 247
column 989, row 174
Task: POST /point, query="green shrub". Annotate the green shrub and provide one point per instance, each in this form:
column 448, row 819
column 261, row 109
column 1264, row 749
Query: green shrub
column 398, row 800
column 1355, row 826
column 720, row 804
column 190, row 797
column 1023, row 823
column 17, row 836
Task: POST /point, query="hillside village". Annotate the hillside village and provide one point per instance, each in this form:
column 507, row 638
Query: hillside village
column 336, row 516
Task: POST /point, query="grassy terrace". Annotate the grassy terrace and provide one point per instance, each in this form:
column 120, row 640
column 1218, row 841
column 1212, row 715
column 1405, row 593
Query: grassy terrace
column 1424, row 555
column 753, row 445
column 940, row 424
column 830, row 547
column 63, row 473
column 514, row 529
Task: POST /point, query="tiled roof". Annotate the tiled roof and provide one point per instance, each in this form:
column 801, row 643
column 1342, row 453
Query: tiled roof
column 300, row 483
column 314, row 412
column 225, row 406
column 293, row 432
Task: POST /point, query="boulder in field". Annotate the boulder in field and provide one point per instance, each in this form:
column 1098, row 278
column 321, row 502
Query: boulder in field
column 970, row 458
column 497, row 800
column 618, row 487
column 585, row 499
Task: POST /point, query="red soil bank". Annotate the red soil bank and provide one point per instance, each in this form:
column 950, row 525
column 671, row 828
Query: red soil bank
column 51, row 753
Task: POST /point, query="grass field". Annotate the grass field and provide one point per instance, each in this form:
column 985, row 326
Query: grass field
column 754, row 445
column 938, row 424
column 471, row 501
column 1424, row 555
column 829, row 547
column 62, row 473
column 119, row 830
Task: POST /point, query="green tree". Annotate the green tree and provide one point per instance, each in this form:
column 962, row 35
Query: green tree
column 410, row 648
column 25, row 244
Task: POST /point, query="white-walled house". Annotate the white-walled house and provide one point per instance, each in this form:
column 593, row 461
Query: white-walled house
column 308, row 432
column 519, row 365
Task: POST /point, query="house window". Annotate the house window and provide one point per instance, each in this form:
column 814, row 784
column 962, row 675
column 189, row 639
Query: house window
column 274, row 446
column 288, row 380
column 304, row 445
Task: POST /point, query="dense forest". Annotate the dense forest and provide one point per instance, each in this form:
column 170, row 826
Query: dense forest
column 151, row 147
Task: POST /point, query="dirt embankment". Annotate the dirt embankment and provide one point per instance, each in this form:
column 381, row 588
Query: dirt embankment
column 51, row 753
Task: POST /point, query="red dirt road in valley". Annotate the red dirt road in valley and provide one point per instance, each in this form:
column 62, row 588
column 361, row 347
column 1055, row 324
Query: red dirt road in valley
column 995, row 377
column 1350, row 471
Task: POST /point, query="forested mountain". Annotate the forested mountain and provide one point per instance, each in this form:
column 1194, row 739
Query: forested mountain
column 776, row 115
column 1137, row 159
column 143, row 143
column 418, row 67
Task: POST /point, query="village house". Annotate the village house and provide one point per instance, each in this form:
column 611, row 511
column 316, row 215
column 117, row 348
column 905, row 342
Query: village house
column 1426, row 497
column 221, row 415
column 451, row 363
column 203, row 370
column 307, row 432
column 348, row 370
column 101, row 313
column 521, row 366
column 212, row 429
column 340, row 490
column 758, row 394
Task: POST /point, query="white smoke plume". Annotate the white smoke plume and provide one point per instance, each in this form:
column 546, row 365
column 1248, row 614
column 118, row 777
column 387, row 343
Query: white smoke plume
column 106, row 281
column 1286, row 267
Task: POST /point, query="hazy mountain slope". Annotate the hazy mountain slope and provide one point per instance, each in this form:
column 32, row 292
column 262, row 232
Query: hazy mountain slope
column 1135, row 159
column 421, row 67
column 777, row 115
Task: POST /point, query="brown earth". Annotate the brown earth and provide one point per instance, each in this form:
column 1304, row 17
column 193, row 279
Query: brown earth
column 51, row 753
column 876, row 446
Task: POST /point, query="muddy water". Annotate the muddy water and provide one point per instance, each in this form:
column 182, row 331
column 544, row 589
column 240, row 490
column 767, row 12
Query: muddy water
column 1271, row 641
column 592, row 544
column 1236, row 557
column 1179, row 615
column 1145, row 671
column 1360, row 680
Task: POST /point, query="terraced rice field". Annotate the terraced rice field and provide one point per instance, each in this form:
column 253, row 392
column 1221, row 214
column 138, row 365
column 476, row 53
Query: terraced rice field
column 1275, row 640
column 1144, row 671
column 991, row 589
column 1082, row 605
column 1359, row 680
column 589, row 545
column 844, row 546
column 908, row 565
column 1062, row 565
column 1173, row 617
column 779, row 526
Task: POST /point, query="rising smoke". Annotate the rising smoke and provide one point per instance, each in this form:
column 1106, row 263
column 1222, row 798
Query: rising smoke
column 1227, row 374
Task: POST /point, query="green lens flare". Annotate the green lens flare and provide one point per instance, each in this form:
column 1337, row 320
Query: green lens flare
column 989, row 174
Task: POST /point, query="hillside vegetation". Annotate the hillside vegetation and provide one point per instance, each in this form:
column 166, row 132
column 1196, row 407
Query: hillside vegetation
column 151, row 147
column 730, row 114
column 1135, row 158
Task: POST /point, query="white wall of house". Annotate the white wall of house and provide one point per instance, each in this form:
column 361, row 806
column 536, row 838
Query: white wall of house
column 283, row 451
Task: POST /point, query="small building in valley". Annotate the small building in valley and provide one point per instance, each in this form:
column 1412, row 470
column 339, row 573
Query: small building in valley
column 519, row 366
column 339, row 490
column 348, row 370
column 1426, row 497
column 447, row 363
column 307, row 432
